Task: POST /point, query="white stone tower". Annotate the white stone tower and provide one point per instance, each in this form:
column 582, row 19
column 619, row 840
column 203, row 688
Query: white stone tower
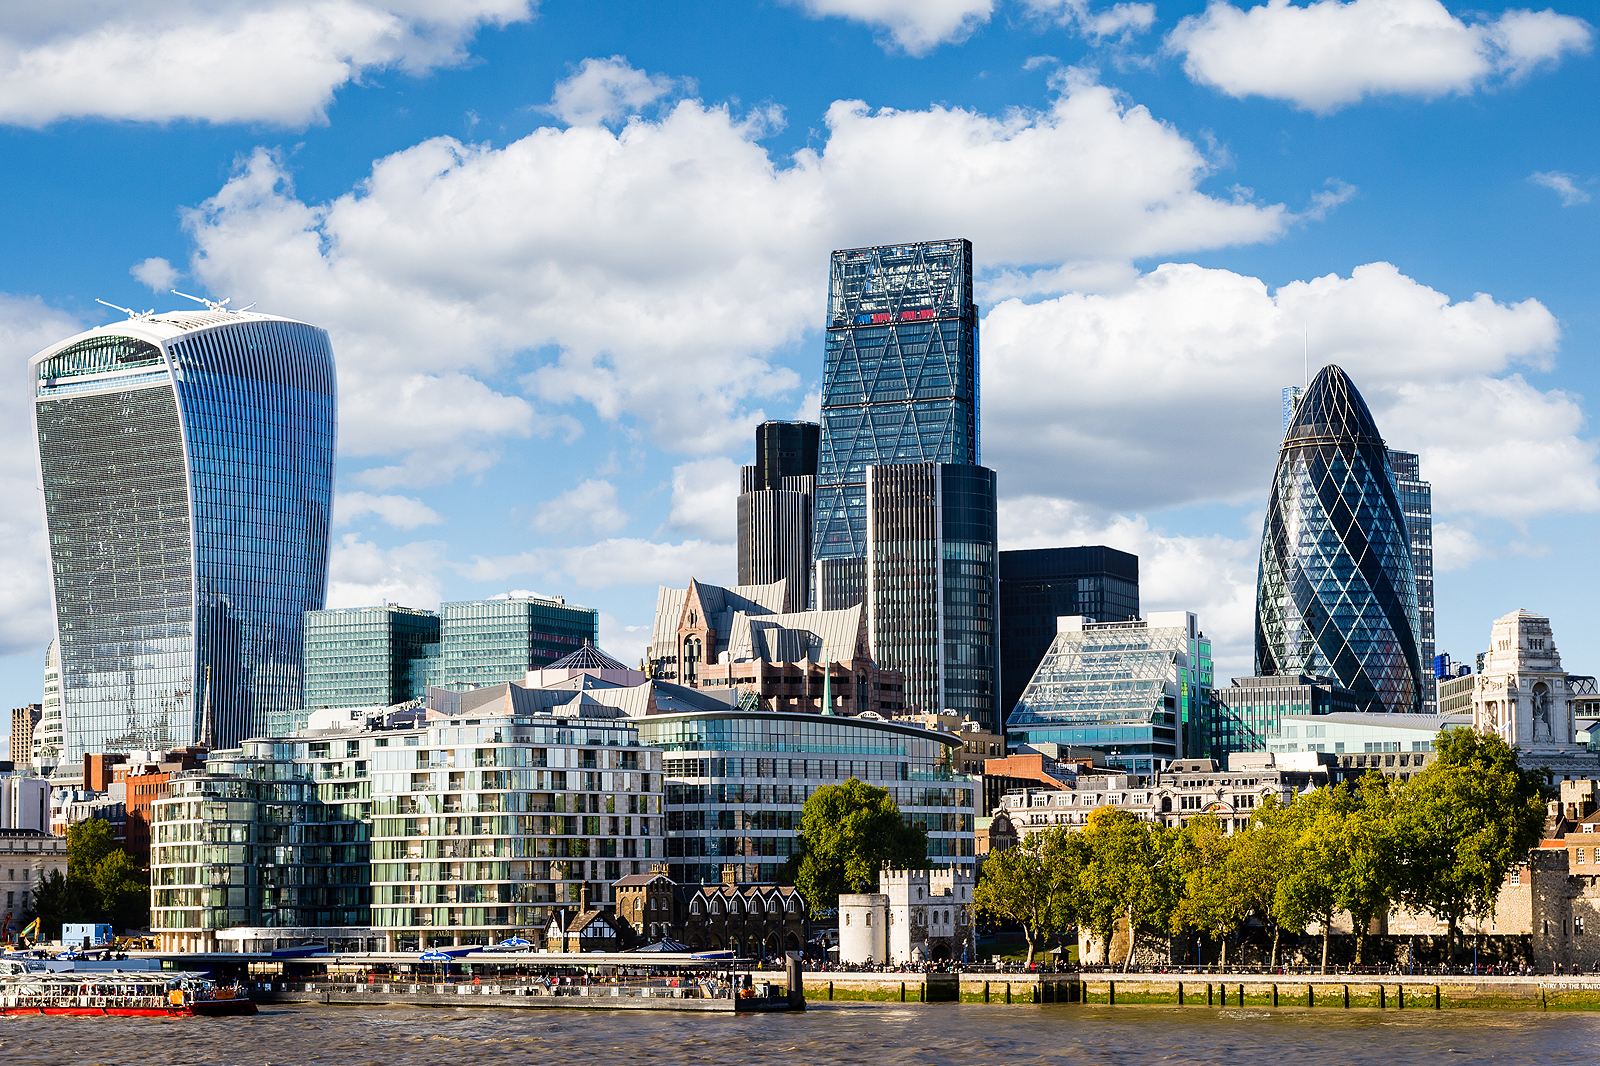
column 1522, row 695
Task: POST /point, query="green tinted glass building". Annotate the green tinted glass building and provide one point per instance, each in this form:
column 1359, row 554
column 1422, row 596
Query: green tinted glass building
column 364, row 656
column 490, row 642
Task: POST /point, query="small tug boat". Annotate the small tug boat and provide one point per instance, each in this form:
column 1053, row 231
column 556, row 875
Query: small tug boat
column 148, row 993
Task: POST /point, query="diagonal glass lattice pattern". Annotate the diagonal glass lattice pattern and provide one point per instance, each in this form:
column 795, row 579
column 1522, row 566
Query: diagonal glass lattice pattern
column 1337, row 595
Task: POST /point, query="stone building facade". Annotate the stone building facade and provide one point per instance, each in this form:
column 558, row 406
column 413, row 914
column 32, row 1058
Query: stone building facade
column 752, row 919
column 919, row 916
column 1521, row 695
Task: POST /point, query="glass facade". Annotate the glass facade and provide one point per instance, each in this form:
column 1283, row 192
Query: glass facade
column 1135, row 690
column 1337, row 594
column 1039, row 585
column 900, row 382
column 366, row 656
column 1416, row 501
column 187, row 467
column 932, row 602
column 271, row 834
column 489, row 642
column 1247, row 714
column 737, row 783
column 483, row 827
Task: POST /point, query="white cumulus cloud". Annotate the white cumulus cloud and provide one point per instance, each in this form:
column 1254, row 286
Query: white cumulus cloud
column 273, row 61
column 361, row 574
column 617, row 561
column 914, row 26
column 588, row 509
column 1167, row 393
column 1332, row 53
column 1097, row 22
column 655, row 268
column 705, row 496
column 156, row 274
column 604, row 90
column 401, row 512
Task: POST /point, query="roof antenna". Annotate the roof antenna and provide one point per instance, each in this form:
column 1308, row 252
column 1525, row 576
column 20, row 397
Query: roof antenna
column 126, row 310
column 215, row 305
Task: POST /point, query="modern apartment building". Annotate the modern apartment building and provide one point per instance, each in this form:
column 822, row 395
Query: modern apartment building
column 1040, row 585
column 1337, row 595
column 1416, row 503
column 186, row 462
column 365, row 656
column 23, row 722
column 737, row 782
column 49, row 733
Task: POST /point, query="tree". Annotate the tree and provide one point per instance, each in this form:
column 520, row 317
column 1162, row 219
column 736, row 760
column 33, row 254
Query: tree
column 123, row 894
column 847, row 833
column 1369, row 881
column 1257, row 858
column 1128, row 874
column 1314, row 855
column 1467, row 819
column 1033, row 884
column 59, row 899
column 1215, row 898
column 89, row 842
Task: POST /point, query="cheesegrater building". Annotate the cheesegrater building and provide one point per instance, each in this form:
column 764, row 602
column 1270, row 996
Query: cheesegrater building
column 186, row 463
column 1337, row 593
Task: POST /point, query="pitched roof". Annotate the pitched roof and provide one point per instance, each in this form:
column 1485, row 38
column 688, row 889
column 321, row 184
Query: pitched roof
column 587, row 657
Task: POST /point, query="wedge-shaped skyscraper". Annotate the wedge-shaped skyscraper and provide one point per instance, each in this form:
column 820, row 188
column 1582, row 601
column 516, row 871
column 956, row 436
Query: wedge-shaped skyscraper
column 1336, row 595
column 186, row 462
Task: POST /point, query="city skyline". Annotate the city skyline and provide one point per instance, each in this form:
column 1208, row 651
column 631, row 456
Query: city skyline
column 558, row 398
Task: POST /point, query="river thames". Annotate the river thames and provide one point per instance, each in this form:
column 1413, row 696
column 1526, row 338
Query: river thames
column 942, row 1034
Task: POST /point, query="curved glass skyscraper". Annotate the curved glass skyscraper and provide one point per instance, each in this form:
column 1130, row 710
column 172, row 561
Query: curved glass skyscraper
column 186, row 462
column 1336, row 596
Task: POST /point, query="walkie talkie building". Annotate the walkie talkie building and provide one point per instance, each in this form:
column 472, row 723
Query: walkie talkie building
column 186, row 462
column 1336, row 595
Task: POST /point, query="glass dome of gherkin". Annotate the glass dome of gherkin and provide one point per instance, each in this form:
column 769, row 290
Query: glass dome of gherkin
column 1336, row 594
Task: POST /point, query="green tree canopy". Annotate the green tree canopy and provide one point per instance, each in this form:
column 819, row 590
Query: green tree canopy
column 88, row 842
column 1034, row 884
column 1129, row 874
column 1467, row 819
column 1215, row 897
column 847, row 833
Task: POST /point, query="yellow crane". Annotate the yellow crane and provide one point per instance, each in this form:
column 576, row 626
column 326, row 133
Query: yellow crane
column 31, row 932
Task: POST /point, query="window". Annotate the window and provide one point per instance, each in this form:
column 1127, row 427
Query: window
column 1577, row 925
column 1580, row 857
column 1516, row 879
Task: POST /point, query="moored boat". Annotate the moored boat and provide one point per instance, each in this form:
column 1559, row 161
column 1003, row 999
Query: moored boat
column 149, row 993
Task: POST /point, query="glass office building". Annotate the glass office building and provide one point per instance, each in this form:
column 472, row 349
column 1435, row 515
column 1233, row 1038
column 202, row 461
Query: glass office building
column 1337, row 593
column 1040, row 585
column 932, row 586
column 489, row 642
column 774, row 515
column 1137, row 691
column 737, row 782
column 366, row 656
column 900, row 382
column 186, row 462
column 1247, row 714
column 1416, row 502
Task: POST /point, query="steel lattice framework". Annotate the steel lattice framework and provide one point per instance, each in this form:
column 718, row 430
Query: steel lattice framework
column 901, row 378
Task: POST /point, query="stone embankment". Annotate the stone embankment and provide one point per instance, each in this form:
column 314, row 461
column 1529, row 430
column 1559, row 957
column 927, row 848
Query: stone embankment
column 1269, row 991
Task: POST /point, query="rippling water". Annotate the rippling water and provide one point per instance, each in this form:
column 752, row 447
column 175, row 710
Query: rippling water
column 881, row 1035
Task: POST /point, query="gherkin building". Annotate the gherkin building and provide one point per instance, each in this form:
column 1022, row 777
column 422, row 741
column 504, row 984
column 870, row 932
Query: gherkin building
column 1336, row 595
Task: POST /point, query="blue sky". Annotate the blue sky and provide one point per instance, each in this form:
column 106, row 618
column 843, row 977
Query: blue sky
column 569, row 255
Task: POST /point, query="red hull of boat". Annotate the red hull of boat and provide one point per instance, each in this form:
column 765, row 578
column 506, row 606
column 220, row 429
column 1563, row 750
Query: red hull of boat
column 211, row 1008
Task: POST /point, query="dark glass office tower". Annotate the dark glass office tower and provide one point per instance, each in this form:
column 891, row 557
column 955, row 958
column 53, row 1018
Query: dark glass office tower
column 1336, row 595
column 1039, row 585
column 187, row 471
column 933, row 584
column 1416, row 500
column 774, row 531
column 900, row 384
